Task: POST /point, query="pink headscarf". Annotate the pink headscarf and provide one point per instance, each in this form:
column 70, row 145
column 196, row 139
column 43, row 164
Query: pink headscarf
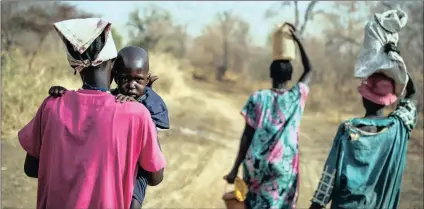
column 379, row 89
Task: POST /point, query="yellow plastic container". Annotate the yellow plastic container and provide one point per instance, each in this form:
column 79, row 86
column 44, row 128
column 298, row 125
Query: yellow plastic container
column 283, row 45
column 235, row 199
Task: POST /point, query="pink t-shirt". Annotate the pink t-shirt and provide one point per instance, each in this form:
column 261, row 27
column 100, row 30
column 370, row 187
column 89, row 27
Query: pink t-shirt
column 88, row 146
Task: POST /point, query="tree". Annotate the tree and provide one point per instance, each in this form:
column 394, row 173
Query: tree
column 155, row 30
column 35, row 18
column 147, row 26
column 223, row 45
column 117, row 38
column 309, row 14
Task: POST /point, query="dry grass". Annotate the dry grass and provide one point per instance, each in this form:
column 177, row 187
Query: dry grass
column 24, row 90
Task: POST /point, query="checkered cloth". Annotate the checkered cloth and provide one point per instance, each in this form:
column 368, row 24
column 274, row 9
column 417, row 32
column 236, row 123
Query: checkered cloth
column 406, row 111
column 323, row 194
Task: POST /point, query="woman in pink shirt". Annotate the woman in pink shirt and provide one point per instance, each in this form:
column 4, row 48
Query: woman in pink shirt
column 84, row 146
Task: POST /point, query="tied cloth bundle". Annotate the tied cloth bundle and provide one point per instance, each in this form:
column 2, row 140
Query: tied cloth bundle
column 81, row 33
column 382, row 30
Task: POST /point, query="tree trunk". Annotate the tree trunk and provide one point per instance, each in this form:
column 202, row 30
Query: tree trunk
column 308, row 16
column 35, row 52
column 296, row 14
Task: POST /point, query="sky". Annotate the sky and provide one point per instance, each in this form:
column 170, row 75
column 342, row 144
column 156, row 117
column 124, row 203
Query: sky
column 197, row 14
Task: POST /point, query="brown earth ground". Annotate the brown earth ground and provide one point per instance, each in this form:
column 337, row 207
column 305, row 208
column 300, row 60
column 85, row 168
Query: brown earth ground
column 201, row 147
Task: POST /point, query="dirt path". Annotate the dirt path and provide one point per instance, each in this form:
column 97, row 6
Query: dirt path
column 200, row 149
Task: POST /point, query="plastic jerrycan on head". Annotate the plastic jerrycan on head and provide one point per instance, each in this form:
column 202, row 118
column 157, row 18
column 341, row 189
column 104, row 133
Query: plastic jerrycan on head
column 283, row 45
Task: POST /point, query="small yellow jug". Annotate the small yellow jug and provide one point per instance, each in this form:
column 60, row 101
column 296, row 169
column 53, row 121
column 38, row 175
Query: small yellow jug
column 240, row 189
column 235, row 199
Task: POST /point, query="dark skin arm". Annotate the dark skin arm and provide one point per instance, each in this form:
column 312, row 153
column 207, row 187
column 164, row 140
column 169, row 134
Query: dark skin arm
column 315, row 206
column 246, row 140
column 410, row 89
column 58, row 91
column 31, row 166
column 154, row 178
column 135, row 204
column 307, row 68
column 410, row 86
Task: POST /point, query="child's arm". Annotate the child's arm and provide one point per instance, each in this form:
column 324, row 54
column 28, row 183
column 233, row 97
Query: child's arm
column 57, row 91
column 122, row 98
column 157, row 108
column 152, row 79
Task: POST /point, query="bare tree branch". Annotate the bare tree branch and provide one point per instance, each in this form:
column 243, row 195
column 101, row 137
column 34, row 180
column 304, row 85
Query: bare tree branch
column 296, row 14
column 387, row 4
column 308, row 16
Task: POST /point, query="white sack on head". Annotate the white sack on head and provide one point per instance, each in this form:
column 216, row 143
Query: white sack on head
column 81, row 33
column 384, row 28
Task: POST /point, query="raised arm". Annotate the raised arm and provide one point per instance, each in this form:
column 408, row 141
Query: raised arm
column 410, row 89
column 410, row 86
column 406, row 110
column 307, row 68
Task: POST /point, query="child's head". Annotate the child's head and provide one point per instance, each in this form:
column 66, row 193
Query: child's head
column 131, row 71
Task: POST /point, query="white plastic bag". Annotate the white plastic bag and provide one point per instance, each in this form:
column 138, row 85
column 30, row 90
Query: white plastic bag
column 384, row 28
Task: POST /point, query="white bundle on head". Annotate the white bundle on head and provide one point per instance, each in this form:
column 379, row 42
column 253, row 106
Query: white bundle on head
column 81, row 33
column 383, row 29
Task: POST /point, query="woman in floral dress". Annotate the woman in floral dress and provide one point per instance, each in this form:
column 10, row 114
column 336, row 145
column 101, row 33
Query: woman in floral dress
column 269, row 144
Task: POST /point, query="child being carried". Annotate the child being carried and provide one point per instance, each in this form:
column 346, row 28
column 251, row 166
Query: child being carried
column 131, row 74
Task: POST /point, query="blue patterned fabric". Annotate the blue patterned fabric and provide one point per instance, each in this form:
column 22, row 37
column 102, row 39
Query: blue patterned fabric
column 155, row 104
column 271, row 166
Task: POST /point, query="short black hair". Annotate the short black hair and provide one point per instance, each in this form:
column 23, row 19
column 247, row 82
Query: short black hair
column 92, row 51
column 370, row 105
column 281, row 70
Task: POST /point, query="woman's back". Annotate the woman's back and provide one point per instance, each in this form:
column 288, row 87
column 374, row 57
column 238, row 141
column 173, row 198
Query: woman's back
column 90, row 143
column 276, row 116
column 369, row 160
column 272, row 160
column 274, row 109
column 364, row 167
